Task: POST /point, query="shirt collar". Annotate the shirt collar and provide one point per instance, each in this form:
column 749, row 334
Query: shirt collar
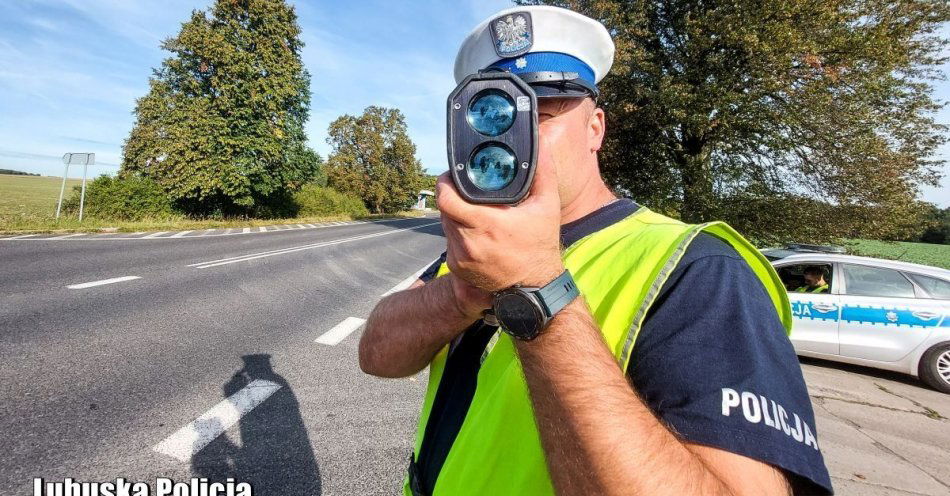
column 601, row 218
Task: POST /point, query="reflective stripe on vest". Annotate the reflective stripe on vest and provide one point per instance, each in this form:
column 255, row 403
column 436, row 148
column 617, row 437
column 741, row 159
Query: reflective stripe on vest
column 818, row 289
column 619, row 271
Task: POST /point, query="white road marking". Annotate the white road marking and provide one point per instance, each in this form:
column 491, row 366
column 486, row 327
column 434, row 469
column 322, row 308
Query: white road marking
column 178, row 235
column 409, row 280
column 340, row 331
column 102, row 282
column 122, row 236
column 299, row 226
column 192, row 438
column 65, row 236
column 271, row 253
column 311, row 226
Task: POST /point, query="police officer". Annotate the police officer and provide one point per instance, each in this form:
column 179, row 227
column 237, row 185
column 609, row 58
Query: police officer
column 814, row 280
column 671, row 373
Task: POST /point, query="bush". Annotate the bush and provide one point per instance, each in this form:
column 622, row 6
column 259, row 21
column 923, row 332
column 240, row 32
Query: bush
column 314, row 201
column 131, row 198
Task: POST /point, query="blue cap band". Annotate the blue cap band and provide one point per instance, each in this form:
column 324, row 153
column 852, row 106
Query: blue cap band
column 547, row 61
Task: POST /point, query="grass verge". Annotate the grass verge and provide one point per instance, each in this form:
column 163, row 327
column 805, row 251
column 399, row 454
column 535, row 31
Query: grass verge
column 64, row 225
column 28, row 205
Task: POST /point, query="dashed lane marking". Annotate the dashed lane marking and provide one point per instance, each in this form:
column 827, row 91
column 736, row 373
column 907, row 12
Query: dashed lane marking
column 183, row 234
column 340, row 331
column 192, row 438
column 282, row 251
column 409, row 280
column 102, row 282
column 67, row 236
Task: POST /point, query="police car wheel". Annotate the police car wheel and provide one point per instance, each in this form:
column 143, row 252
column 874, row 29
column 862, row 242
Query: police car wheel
column 935, row 367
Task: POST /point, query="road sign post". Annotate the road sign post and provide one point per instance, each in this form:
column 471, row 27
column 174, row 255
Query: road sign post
column 62, row 189
column 86, row 159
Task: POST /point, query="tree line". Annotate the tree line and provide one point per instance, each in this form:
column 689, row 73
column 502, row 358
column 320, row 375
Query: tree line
column 12, row 172
column 797, row 120
column 794, row 120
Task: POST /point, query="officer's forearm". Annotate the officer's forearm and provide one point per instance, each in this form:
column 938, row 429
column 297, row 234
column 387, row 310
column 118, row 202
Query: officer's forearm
column 598, row 436
column 408, row 328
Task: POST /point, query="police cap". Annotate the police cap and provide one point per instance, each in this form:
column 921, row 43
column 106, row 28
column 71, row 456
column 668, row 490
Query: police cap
column 559, row 52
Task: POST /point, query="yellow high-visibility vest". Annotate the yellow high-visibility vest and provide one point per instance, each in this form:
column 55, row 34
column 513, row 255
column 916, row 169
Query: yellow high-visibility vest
column 619, row 271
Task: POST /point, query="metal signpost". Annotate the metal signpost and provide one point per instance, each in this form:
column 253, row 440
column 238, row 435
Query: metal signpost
column 86, row 159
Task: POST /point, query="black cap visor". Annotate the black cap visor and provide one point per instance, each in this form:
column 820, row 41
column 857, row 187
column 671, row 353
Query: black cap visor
column 553, row 84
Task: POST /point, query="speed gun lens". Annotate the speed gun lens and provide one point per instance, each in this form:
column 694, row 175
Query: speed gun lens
column 492, row 167
column 492, row 133
column 491, row 112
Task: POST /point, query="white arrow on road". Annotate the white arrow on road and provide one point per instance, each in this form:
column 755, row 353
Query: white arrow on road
column 192, row 438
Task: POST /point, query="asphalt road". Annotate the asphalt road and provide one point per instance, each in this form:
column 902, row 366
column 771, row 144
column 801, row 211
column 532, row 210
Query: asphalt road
column 254, row 334
column 881, row 433
column 93, row 379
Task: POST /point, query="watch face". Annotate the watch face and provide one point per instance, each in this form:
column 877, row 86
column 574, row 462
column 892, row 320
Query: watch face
column 519, row 316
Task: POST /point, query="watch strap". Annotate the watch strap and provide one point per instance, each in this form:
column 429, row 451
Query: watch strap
column 558, row 293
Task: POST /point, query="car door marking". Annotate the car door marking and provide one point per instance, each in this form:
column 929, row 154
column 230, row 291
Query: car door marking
column 807, row 310
column 897, row 317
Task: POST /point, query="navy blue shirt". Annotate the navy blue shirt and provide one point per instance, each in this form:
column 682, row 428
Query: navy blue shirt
column 713, row 362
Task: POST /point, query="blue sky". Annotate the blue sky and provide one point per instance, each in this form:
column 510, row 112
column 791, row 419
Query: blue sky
column 70, row 71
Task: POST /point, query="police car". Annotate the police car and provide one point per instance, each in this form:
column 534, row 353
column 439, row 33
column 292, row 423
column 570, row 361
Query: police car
column 878, row 313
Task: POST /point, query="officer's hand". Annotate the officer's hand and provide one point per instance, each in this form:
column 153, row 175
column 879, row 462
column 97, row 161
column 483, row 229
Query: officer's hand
column 495, row 246
column 469, row 299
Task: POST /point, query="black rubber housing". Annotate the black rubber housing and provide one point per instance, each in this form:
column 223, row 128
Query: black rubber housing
column 521, row 137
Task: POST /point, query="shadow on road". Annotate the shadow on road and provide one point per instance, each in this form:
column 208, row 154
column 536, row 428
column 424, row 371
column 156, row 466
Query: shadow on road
column 274, row 454
column 867, row 371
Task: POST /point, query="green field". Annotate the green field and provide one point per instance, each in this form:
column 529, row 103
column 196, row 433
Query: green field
column 921, row 253
column 28, row 204
column 30, row 197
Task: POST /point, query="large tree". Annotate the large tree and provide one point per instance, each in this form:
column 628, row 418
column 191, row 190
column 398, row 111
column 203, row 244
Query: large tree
column 373, row 157
column 794, row 119
column 222, row 126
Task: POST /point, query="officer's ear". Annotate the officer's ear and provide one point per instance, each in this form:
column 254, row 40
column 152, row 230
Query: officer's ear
column 596, row 125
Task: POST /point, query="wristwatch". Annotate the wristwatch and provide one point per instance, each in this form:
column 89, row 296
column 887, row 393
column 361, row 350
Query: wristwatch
column 524, row 312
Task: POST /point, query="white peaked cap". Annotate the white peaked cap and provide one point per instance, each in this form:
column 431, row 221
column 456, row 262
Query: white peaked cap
column 548, row 30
